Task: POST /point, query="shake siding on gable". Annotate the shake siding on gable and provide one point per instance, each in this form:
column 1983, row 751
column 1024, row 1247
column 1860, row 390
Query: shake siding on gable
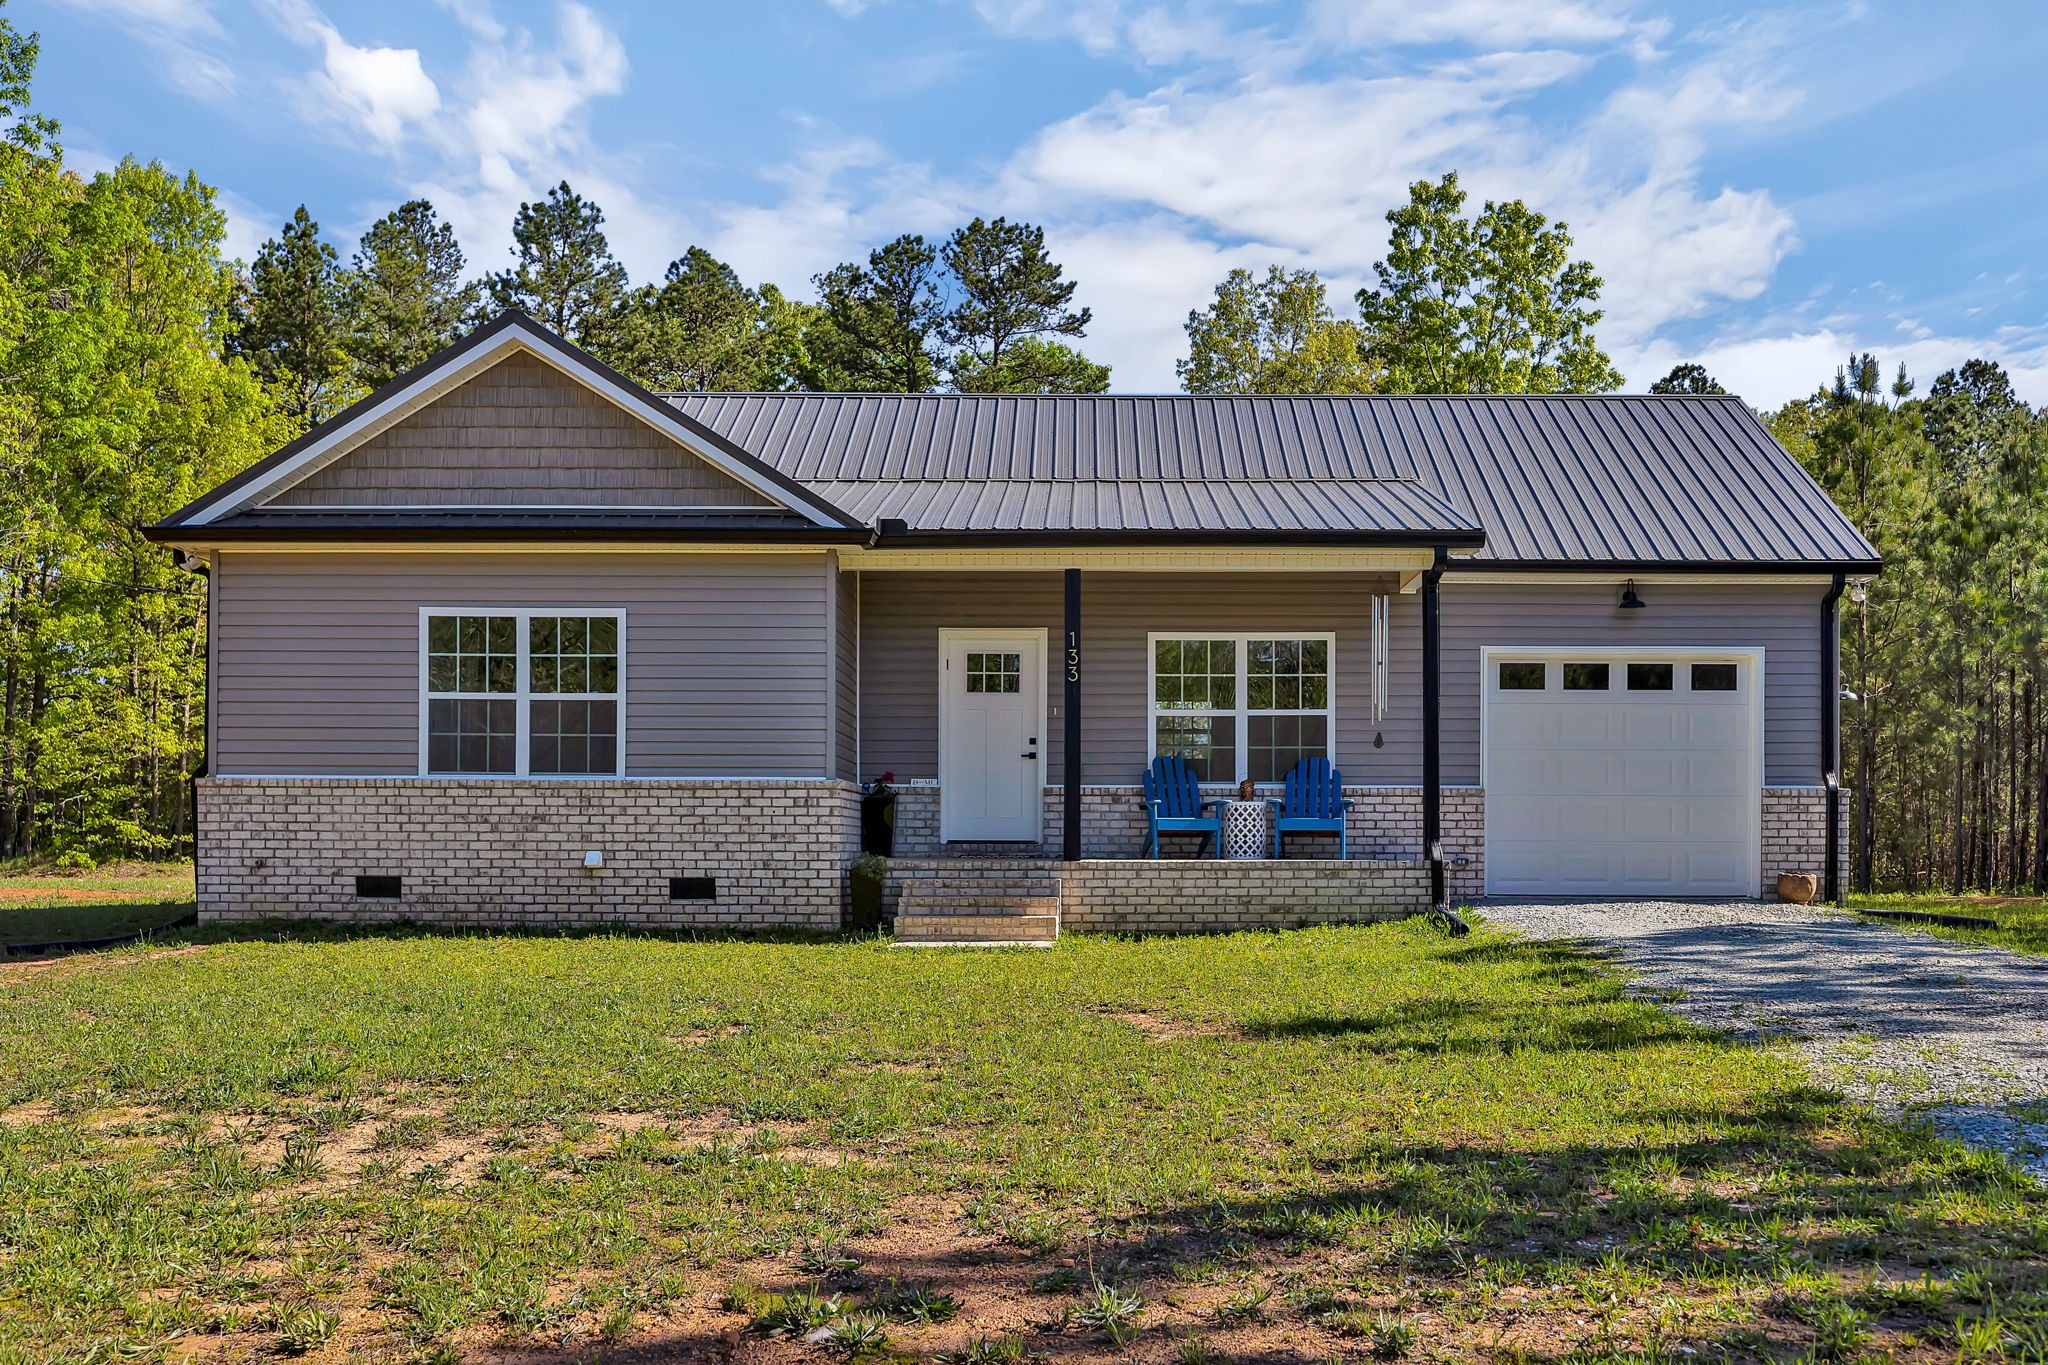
column 520, row 434
column 316, row 656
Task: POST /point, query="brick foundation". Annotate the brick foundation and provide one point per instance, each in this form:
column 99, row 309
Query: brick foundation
column 1385, row 823
column 1190, row 896
column 508, row 853
column 1795, row 835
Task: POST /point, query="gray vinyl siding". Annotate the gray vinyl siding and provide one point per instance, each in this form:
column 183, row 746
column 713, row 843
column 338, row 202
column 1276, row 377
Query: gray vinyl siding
column 316, row 656
column 521, row 434
column 902, row 614
column 846, row 693
column 1781, row 620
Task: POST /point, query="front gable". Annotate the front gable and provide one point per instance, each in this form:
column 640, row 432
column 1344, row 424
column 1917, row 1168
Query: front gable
column 511, row 417
column 519, row 434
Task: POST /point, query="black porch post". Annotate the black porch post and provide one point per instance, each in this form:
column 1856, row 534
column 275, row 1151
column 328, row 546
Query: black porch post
column 1831, row 737
column 1070, row 670
column 1432, row 727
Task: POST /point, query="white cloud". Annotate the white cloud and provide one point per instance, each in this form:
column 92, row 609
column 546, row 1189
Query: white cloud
column 175, row 16
column 1489, row 24
column 384, row 90
column 249, row 225
column 1771, row 368
column 183, row 35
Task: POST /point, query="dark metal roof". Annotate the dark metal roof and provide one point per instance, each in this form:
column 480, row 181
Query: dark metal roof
column 1560, row 480
column 1383, row 506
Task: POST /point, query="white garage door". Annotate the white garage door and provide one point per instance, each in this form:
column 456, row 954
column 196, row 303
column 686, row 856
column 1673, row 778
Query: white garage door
column 1622, row 775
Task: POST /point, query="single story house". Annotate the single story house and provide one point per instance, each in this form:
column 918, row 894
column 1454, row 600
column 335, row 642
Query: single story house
column 513, row 640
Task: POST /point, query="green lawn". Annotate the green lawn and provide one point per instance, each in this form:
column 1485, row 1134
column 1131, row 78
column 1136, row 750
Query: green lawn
column 2022, row 922
column 1329, row 1144
column 39, row 904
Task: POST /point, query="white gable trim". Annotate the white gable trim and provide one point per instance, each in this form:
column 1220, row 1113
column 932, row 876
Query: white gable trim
column 423, row 391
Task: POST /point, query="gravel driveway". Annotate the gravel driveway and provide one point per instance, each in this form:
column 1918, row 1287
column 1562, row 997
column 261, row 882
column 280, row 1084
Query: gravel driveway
column 1916, row 1024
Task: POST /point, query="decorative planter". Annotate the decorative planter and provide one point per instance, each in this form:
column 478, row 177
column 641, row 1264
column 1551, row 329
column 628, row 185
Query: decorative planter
column 1798, row 887
column 865, row 880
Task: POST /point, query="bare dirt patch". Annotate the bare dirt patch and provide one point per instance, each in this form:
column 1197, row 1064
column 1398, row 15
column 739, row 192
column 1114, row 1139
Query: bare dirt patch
column 1165, row 1028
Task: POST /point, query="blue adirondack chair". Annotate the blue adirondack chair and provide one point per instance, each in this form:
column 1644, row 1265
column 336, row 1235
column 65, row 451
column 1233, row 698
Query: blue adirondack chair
column 1314, row 804
column 1174, row 804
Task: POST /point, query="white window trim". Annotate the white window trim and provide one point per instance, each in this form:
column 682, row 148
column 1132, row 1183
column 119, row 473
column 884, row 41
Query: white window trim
column 524, row 696
column 1243, row 712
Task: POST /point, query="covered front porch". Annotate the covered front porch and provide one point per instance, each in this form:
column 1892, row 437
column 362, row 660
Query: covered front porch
column 1017, row 698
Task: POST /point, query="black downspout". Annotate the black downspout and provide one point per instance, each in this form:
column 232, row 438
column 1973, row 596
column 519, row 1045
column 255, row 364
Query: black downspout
column 1070, row 671
column 1831, row 736
column 1432, row 728
column 205, row 571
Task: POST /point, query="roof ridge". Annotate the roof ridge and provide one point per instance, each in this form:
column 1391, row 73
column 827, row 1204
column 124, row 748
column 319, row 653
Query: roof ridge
column 674, row 394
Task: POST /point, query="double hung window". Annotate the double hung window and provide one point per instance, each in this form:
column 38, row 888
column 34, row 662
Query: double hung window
column 521, row 693
column 1238, row 706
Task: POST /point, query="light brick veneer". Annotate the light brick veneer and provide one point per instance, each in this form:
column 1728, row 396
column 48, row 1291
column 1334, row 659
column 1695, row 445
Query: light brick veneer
column 1209, row 896
column 510, row 853
column 1795, row 835
column 1184, row 896
column 1384, row 823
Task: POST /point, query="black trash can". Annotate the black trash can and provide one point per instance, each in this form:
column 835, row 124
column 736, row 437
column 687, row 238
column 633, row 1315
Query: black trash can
column 878, row 823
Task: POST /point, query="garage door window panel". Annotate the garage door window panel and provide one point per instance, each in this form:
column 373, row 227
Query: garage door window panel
column 1584, row 677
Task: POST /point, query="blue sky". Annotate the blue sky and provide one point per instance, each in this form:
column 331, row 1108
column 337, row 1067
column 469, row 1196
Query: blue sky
column 1764, row 187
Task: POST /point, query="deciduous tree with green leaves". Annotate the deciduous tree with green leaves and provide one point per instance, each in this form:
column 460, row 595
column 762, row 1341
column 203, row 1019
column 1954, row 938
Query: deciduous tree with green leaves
column 1273, row 335
column 1492, row 304
column 116, row 407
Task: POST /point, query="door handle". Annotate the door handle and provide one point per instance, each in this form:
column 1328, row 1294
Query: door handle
column 1032, row 754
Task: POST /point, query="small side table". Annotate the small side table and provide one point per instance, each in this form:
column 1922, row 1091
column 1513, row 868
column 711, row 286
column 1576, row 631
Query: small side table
column 1244, row 829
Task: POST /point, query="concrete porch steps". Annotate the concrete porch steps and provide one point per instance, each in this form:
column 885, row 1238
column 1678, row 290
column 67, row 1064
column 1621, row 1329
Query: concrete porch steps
column 979, row 911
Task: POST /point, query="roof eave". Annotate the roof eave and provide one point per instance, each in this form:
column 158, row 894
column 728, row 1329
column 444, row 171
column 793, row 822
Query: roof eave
column 1652, row 566
column 398, row 537
column 1464, row 539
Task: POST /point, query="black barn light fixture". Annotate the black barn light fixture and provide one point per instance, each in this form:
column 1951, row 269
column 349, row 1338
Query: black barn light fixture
column 1629, row 600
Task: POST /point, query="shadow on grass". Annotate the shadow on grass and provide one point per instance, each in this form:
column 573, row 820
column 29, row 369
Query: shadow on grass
column 1453, row 1026
column 1797, row 1196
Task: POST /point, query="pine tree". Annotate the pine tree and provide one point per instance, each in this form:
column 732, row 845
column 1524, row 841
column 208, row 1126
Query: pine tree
column 878, row 324
column 1690, row 377
column 1010, row 309
column 563, row 274
column 409, row 297
column 700, row 330
column 295, row 332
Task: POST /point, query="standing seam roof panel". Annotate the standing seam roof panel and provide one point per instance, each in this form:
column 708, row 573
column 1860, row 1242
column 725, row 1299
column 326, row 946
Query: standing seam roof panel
column 1567, row 478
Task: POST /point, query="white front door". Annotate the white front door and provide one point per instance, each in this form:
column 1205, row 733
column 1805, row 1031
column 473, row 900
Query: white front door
column 991, row 722
column 1624, row 773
